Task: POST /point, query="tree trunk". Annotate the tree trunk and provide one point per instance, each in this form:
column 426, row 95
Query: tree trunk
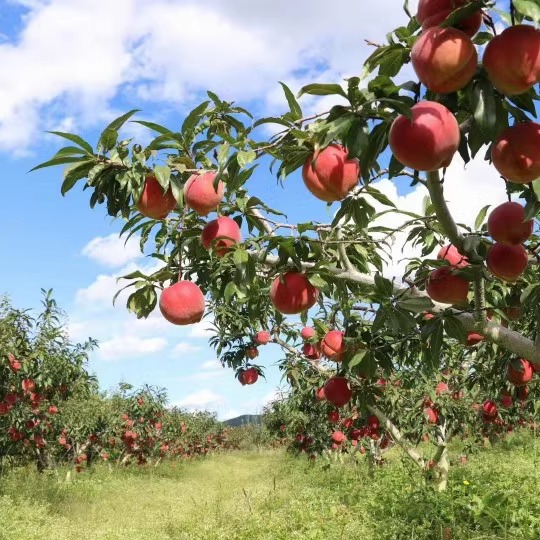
column 442, row 468
column 42, row 460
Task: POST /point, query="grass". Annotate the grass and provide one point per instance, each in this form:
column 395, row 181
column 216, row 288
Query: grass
column 268, row 495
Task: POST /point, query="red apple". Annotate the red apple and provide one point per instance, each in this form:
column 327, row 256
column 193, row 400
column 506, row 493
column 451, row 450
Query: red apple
column 329, row 175
column 429, row 141
column 307, row 333
column 310, row 351
column 293, row 293
column 154, row 202
column 453, row 256
column 332, row 345
column 519, row 372
column 263, row 337
column 220, row 234
column 182, row 303
column 252, row 352
column 506, row 224
column 445, row 287
column 507, row 262
column 339, row 437
column 201, row 195
column 337, row 391
column 250, row 376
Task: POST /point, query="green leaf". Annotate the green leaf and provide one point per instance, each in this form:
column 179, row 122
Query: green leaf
column 531, row 294
column 240, row 258
column 485, row 108
column 357, row 359
column 395, row 167
column 75, row 173
column 480, row 217
column 70, row 151
column 245, row 157
column 194, row 116
column 524, row 101
column 272, row 120
column 357, row 138
column 107, row 140
column 411, row 302
column 383, row 286
column 223, row 154
column 320, row 89
column 58, row 161
column 230, row 291
column 163, row 176
column 536, row 187
column 462, row 13
column 294, row 107
column 75, row 139
column 317, row 281
column 393, row 60
column 406, row 9
column 154, row 127
column 455, row 329
column 528, row 8
column 532, row 208
column 435, row 342
column 116, row 124
column 381, row 197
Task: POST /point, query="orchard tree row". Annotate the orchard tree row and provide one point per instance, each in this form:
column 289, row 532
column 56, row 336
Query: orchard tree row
column 260, row 276
column 52, row 412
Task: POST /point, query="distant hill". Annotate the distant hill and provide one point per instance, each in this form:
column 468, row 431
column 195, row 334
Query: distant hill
column 244, row 419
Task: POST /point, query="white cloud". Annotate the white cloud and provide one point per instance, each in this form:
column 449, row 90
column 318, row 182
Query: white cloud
column 202, row 376
column 202, row 329
column 201, row 400
column 185, row 347
column 112, row 250
column 129, row 346
column 100, row 293
column 171, row 50
column 212, row 365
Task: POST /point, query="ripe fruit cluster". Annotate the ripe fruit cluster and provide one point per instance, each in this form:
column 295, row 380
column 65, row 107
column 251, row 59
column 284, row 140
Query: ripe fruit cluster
column 507, row 259
column 183, row 302
column 445, row 61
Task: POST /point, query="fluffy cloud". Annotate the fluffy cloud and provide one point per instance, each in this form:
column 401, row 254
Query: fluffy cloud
column 185, row 347
column 212, row 365
column 129, row 346
column 112, row 250
column 99, row 294
column 202, row 329
column 146, row 51
column 201, row 400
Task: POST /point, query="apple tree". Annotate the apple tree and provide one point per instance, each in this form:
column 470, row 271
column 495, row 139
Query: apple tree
column 447, row 82
column 40, row 368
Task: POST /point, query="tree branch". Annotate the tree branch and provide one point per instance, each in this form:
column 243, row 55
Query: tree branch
column 479, row 300
column 442, row 211
column 397, row 436
column 264, row 222
column 506, row 338
column 342, row 251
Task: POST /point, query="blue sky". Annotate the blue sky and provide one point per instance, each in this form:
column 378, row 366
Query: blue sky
column 67, row 67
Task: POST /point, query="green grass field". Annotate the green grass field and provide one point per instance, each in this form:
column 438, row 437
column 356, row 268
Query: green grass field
column 268, row 495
